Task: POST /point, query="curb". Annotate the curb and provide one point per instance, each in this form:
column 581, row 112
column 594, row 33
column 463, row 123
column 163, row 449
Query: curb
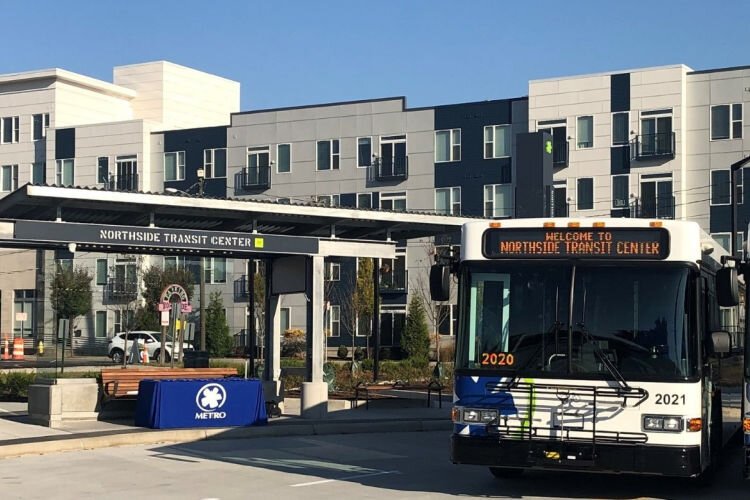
column 73, row 443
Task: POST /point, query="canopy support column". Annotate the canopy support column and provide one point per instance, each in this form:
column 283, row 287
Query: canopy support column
column 314, row 399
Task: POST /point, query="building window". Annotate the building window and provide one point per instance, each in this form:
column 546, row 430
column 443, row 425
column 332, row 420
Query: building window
column 720, row 187
column 726, row 122
column 497, row 142
column 391, row 327
column 656, row 132
column 328, row 155
column 448, row 319
column 8, row 178
column 560, row 201
column 215, row 163
column 364, row 151
column 393, row 201
column 723, row 240
column 585, row 132
column 332, row 271
column 38, row 173
column 258, row 158
column 393, row 273
column 657, row 198
column 216, row 269
column 102, row 170
column 285, row 318
column 174, row 166
column 448, row 145
column 620, row 127
column 23, row 313
column 448, row 201
column 283, row 158
column 101, row 271
column 9, row 130
column 498, row 200
column 124, row 320
column 100, row 327
column 125, row 280
column 39, row 126
column 585, row 193
column 620, row 191
column 328, row 200
column 364, row 200
column 64, row 172
column 334, row 321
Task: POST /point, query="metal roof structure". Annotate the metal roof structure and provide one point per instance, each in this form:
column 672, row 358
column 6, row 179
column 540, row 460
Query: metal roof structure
column 181, row 211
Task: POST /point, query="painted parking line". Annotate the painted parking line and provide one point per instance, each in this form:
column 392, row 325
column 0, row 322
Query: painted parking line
column 358, row 476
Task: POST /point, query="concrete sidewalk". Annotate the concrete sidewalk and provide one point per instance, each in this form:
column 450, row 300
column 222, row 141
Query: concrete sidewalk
column 20, row 437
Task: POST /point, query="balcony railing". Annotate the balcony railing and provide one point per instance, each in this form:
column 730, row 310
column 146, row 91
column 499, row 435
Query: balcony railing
column 652, row 146
column 119, row 292
column 390, row 168
column 561, row 210
column 662, row 208
column 394, row 282
column 127, row 182
column 560, row 154
column 241, row 290
column 252, row 179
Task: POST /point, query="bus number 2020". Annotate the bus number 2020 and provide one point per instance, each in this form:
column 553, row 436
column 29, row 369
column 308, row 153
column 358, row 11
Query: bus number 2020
column 498, row 358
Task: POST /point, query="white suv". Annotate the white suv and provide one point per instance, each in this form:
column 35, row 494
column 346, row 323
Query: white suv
column 152, row 341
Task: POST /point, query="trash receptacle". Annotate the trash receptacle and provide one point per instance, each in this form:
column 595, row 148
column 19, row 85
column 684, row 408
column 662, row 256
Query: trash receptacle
column 196, row 359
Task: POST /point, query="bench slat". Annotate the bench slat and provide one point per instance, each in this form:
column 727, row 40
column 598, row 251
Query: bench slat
column 124, row 382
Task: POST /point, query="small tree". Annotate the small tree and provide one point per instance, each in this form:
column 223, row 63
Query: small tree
column 70, row 293
column 415, row 340
column 218, row 340
column 363, row 297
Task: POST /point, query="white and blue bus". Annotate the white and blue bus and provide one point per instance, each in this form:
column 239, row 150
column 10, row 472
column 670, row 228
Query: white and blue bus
column 587, row 344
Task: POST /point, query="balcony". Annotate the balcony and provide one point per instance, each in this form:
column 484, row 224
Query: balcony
column 391, row 168
column 560, row 154
column 652, row 146
column 252, row 179
column 396, row 281
column 662, row 208
column 120, row 292
column 128, row 182
column 241, row 289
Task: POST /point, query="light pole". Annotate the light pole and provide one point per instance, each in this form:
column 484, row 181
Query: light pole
column 733, row 193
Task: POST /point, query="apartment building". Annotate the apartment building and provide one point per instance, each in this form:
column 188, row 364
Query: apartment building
column 59, row 127
column 652, row 142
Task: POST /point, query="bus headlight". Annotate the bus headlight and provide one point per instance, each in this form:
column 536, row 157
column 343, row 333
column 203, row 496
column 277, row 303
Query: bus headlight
column 662, row 423
column 488, row 415
column 471, row 415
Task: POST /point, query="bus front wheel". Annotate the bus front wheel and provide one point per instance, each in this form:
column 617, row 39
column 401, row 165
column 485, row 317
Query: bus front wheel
column 505, row 472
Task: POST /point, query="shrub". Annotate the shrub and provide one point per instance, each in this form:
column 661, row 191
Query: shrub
column 218, row 340
column 415, row 340
column 343, row 352
column 359, row 354
column 15, row 385
column 293, row 344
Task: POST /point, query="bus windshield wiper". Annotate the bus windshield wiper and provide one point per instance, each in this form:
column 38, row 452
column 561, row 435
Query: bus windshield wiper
column 555, row 328
column 608, row 364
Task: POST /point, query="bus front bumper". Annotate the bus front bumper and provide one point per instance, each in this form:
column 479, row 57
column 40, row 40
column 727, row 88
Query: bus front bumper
column 681, row 461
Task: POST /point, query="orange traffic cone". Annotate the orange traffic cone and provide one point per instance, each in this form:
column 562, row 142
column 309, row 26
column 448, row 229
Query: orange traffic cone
column 144, row 355
column 6, row 352
column 18, row 348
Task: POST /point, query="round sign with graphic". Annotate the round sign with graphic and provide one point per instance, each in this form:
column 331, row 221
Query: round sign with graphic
column 211, row 397
column 174, row 291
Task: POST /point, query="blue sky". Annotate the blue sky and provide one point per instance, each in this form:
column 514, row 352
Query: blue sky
column 287, row 53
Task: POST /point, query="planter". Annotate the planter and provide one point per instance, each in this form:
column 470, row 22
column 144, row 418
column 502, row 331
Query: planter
column 55, row 401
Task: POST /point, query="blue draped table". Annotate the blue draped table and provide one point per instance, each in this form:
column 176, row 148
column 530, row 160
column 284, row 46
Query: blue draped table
column 177, row 403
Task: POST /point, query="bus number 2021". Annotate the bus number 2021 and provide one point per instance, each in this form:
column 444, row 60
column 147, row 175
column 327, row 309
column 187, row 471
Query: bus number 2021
column 670, row 399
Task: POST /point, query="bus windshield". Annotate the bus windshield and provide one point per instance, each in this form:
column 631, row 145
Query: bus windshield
column 564, row 319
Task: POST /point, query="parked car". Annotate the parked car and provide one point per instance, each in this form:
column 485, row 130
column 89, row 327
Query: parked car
column 152, row 341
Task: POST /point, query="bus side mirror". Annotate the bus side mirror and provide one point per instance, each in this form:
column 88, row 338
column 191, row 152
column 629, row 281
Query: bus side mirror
column 722, row 342
column 727, row 289
column 440, row 283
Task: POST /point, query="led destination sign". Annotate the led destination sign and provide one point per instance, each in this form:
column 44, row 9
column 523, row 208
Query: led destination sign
column 614, row 243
